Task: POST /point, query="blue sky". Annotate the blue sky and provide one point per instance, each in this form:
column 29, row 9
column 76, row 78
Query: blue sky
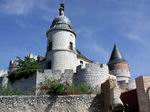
column 98, row 23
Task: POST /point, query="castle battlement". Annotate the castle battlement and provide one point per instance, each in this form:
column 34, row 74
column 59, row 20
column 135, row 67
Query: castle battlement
column 93, row 75
column 64, row 77
column 49, row 71
column 93, row 68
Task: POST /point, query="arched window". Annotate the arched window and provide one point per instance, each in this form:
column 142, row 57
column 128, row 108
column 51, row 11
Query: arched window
column 71, row 46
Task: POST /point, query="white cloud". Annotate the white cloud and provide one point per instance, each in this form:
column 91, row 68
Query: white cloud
column 17, row 7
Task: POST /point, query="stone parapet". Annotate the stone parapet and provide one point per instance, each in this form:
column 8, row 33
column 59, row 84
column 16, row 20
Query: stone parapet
column 93, row 75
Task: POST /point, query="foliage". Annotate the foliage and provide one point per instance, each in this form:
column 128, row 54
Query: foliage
column 56, row 88
column 25, row 68
column 77, row 89
column 8, row 91
column 52, row 87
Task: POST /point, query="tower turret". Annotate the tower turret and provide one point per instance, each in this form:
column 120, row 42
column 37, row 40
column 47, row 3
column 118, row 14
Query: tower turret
column 61, row 52
column 119, row 67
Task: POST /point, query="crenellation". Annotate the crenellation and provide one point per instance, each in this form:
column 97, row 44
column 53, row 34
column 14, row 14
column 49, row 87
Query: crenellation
column 93, row 75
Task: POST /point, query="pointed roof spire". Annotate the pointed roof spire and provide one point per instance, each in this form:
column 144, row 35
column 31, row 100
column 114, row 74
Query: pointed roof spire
column 61, row 9
column 116, row 56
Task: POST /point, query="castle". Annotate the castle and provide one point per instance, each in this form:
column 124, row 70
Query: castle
column 62, row 59
column 64, row 62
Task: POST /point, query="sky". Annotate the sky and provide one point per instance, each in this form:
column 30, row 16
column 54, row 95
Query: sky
column 99, row 25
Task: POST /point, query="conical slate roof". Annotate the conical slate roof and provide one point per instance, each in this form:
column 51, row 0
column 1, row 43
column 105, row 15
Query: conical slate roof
column 116, row 56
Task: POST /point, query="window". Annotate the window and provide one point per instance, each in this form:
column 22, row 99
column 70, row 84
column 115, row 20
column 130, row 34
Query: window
column 81, row 62
column 50, row 46
column 71, row 46
column 49, row 65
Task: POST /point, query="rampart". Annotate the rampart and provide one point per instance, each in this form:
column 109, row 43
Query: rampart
column 72, row 103
column 31, row 85
column 93, row 75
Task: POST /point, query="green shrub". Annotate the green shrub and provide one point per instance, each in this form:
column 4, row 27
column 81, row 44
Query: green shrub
column 8, row 91
column 77, row 89
column 25, row 68
column 56, row 88
column 53, row 87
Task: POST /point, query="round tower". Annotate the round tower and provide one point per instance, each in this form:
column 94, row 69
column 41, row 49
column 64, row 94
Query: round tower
column 61, row 53
column 119, row 67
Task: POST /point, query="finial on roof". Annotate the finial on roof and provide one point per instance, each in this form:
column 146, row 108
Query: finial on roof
column 116, row 56
column 61, row 9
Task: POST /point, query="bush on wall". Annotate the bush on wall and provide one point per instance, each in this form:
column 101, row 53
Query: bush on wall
column 56, row 88
column 25, row 68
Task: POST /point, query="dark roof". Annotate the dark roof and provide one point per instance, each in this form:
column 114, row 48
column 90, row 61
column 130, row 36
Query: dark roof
column 41, row 58
column 80, row 55
column 116, row 56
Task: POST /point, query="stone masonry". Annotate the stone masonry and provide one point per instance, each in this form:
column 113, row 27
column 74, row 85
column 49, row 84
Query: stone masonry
column 77, row 103
column 31, row 84
column 93, row 75
column 143, row 92
column 111, row 94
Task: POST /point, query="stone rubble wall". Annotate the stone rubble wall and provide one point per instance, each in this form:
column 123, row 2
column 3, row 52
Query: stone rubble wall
column 55, row 75
column 31, row 84
column 71, row 103
column 93, row 75
column 25, row 86
column 143, row 92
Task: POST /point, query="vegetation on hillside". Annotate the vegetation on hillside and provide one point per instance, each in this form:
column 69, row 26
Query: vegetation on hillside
column 25, row 68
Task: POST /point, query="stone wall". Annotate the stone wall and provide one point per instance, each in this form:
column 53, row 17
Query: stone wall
column 77, row 103
column 93, row 75
column 25, row 86
column 111, row 94
column 65, row 77
column 31, row 84
column 143, row 85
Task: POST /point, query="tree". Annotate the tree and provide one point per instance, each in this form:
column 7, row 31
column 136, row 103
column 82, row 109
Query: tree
column 25, row 68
